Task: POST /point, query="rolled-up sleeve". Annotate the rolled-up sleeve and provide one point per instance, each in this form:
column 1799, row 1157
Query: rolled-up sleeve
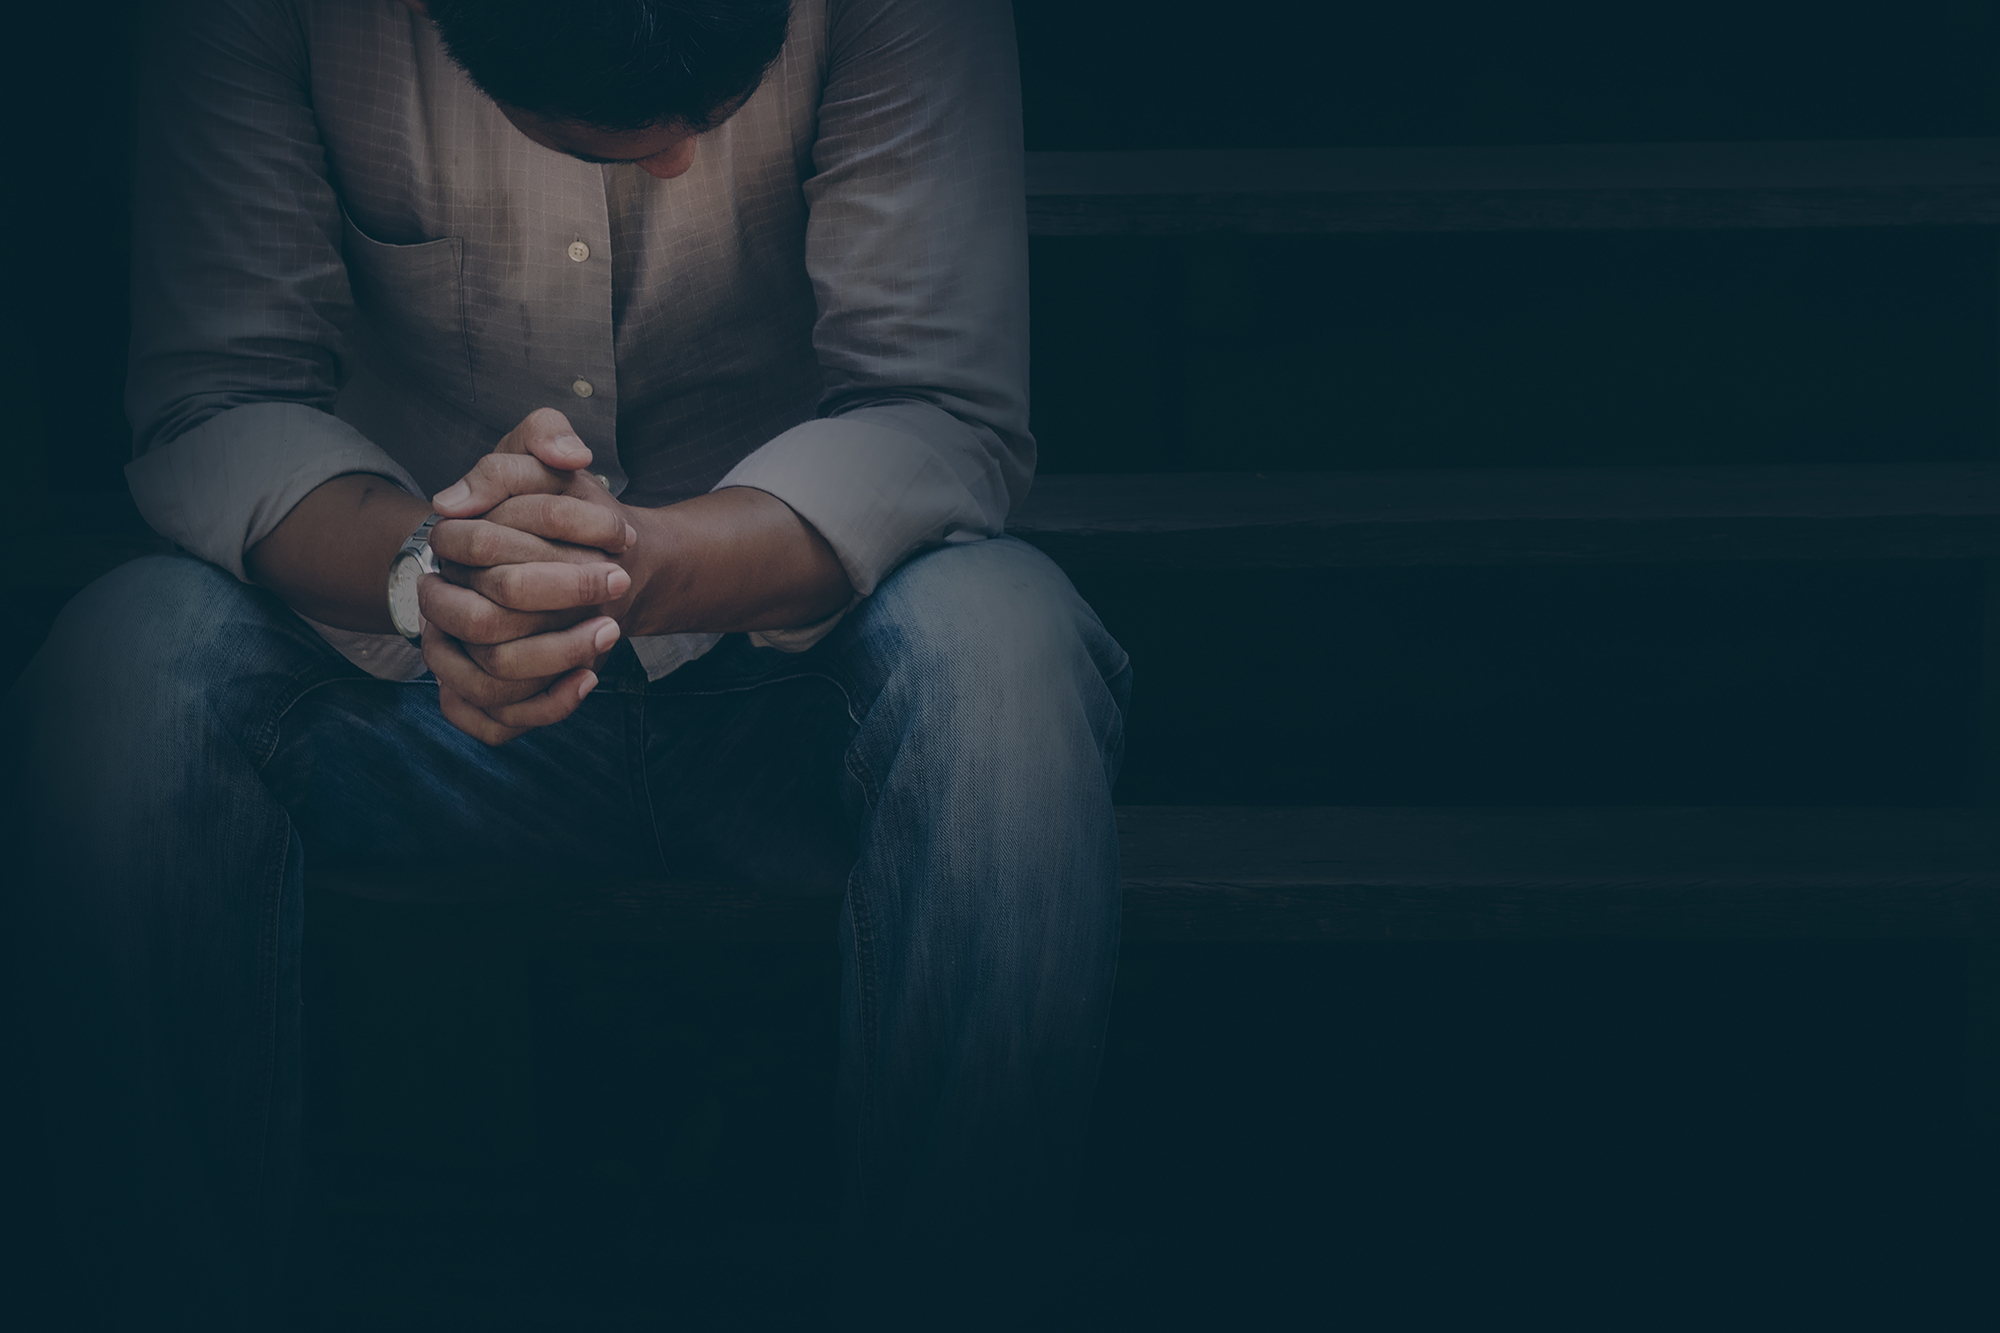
column 241, row 305
column 917, row 248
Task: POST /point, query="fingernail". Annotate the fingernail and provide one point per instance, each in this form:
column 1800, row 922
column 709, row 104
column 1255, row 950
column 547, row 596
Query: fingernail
column 586, row 685
column 616, row 582
column 631, row 534
column 570, row 446
column 607, row 634
column 455, row 494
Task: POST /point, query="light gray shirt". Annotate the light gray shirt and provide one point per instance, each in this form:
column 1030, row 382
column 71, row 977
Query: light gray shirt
column 347, row 260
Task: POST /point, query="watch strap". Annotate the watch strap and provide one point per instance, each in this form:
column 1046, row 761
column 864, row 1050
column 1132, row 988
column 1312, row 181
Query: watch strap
column 418, row 546
column 418, row 543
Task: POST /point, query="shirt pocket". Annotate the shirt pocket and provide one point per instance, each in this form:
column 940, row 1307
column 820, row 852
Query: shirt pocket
column 411, row 299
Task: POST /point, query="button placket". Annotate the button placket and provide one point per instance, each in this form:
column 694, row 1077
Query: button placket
column 578, row 251
column 571, row 356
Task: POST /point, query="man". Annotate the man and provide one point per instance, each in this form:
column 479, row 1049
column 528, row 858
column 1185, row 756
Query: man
column 686, row 340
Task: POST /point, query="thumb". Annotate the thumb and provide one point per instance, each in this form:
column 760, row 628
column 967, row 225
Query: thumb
column 546, row 436
column 565, row 453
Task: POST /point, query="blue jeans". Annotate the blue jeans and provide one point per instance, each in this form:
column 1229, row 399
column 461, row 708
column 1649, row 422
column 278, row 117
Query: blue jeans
column 945, row 757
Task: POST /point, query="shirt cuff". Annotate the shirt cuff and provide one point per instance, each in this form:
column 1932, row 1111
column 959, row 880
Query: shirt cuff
column 221, row 487
column 804, row 637
column 874, row 492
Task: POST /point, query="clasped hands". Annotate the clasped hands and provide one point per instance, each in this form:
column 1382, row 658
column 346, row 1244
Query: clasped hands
column 536, row 570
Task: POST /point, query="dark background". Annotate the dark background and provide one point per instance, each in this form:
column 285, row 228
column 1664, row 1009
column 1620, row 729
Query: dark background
column 1591, row 1135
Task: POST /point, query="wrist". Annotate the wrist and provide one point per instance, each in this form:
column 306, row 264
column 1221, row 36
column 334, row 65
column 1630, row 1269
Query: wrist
column 652, row 564
column 329, row 557
column 730, row 560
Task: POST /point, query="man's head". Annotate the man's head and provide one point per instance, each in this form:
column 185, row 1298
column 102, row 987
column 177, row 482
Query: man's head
column 615, row 80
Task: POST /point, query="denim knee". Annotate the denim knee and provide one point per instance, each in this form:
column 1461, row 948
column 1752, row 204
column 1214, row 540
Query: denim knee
column 989, row 651
column 153, row 655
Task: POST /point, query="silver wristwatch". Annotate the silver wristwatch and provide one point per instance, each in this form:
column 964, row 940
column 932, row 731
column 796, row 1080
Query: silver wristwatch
column 413, row 561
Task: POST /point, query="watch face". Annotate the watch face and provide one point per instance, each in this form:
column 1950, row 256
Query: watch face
column 403, row 576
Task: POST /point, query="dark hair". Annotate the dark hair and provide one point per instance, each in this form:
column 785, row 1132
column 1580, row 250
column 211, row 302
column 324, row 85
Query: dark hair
column 615, row 64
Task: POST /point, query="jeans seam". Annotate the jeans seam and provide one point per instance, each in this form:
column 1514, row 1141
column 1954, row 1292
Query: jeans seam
column 860, row 918
column 262, row 744
column 1113, row 741
column 846, row 697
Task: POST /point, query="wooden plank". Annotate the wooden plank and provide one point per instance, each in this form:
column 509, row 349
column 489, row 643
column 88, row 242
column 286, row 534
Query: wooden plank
column 1360, row 873
column 1326, row 873
column 1824, row 183
column 1514, row 516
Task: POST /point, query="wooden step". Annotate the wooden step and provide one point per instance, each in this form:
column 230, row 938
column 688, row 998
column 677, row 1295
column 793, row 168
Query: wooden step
column 1428, row 873
column 1359, row 873
column 1514, row 516
column 1815, row 183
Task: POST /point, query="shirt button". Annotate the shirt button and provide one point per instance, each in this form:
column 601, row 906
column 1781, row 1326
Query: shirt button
column 579, row 251
column 582, row 389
